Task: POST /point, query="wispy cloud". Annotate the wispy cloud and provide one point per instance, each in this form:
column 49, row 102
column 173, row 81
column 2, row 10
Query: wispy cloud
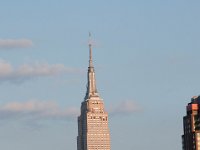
column 34, row 113
column 36, row 110
column 47, row 110
column 124, row 107
column 29, row 71
column 15, row 43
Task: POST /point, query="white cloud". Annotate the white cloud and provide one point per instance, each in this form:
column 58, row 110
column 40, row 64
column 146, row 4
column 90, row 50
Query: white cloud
column 29, row 71
column 15, row 43
column 36, row 110
column 124, row 107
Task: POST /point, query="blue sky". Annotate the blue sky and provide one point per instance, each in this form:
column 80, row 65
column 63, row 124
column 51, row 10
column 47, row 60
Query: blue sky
column 146, row 57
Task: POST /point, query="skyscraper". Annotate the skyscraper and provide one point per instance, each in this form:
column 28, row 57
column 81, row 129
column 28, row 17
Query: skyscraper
column 93, row 131
column 191, row 125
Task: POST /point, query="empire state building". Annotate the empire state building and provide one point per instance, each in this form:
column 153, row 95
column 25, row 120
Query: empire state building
column 93, row 131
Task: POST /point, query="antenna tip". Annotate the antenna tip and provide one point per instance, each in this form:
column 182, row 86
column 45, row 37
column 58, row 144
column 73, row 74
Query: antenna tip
column 90, row 40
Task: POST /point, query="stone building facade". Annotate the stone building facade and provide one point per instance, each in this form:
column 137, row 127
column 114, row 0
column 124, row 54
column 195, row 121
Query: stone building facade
column 93, row 130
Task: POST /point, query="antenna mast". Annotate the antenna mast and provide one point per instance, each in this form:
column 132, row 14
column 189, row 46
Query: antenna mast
column 90, row 48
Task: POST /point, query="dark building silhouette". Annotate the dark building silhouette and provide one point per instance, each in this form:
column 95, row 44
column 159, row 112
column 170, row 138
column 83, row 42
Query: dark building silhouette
column 191, row 125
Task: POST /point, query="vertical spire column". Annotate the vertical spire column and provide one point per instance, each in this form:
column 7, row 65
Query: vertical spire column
column 90, row 61
column 91, row 85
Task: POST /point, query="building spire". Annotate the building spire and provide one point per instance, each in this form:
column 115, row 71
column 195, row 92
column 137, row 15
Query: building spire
column 90, row 51
column 90, row 48
column 91, row 85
